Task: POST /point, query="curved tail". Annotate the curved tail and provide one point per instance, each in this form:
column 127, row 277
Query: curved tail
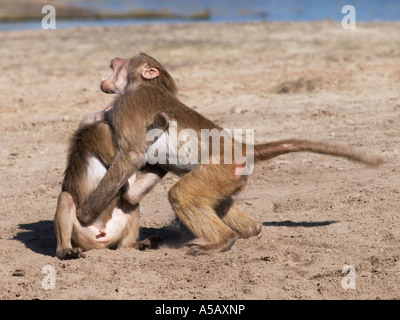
column 270, row 150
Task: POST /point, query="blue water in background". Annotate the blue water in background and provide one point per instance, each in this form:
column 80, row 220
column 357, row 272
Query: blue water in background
column 230, row 11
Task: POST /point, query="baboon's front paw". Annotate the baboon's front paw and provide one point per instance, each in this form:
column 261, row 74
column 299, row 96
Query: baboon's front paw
column 149, row 243
column 83, row 218
column 68, row 254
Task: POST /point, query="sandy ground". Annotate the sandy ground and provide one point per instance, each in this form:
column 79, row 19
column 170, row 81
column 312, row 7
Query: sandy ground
column 306, row 80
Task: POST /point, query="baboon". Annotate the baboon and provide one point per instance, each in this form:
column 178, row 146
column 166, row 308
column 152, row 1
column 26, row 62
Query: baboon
column 202, row 198
column 90, row 153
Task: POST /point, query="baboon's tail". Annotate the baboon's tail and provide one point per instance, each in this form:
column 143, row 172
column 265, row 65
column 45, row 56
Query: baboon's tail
column 270, row 150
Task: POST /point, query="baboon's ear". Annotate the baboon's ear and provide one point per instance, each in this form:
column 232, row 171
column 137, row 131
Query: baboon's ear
column 150, row 73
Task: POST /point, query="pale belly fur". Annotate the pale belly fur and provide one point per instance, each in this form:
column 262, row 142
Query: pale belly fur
column 95, row 236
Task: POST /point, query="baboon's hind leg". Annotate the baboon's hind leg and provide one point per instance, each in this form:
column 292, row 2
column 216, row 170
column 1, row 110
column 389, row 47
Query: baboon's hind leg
column 63, row 227
column 195, row 199
column 131, row 232
column 238, row 220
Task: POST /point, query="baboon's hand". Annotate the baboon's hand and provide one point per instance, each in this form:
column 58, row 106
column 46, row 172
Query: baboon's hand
column 85, row 218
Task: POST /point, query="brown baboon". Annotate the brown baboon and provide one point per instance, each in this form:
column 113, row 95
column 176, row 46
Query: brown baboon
column 90, row 153
column 202, row 198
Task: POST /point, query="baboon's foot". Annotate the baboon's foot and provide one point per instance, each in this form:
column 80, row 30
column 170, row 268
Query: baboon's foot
column 198, row 250
column 70, row 253
column 251, row 230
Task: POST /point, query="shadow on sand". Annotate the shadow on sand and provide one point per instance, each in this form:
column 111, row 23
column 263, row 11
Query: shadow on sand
column 40, row 238
column 304, row 224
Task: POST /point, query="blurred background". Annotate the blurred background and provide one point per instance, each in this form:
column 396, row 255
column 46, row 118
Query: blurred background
column 26, row 14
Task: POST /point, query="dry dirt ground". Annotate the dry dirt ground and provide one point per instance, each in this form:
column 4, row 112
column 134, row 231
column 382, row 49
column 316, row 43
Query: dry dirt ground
column 319, row 214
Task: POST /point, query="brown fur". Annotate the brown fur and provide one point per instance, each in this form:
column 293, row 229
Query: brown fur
column 94, row 140
column 202, row 198
column 273, row 149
